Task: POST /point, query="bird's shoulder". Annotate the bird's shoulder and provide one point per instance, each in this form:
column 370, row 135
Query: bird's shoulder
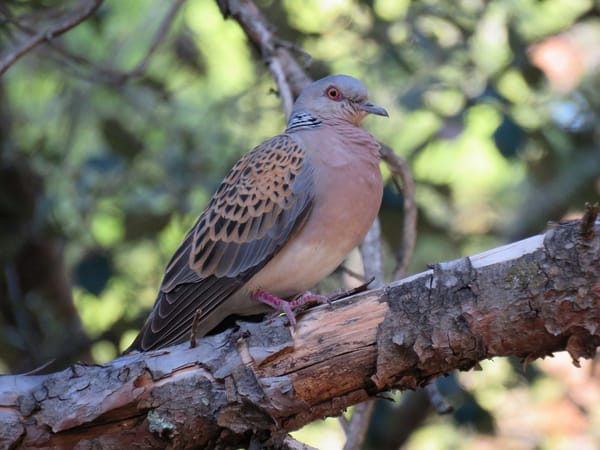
column 263, row 180
column 264, row 197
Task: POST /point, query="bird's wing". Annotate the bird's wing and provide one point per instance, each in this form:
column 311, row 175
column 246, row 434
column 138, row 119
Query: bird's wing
column 263, row 200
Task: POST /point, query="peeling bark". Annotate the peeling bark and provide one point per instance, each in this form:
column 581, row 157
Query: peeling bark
column 527, row 299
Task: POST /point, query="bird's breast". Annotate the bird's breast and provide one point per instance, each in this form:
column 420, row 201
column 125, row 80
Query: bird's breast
column 347, row 196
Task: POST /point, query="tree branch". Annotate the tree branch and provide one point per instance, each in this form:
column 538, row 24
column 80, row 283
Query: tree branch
column 104, row 73
column 286, row 72
column 71, row 21
column 399, row 168
column 527, row 299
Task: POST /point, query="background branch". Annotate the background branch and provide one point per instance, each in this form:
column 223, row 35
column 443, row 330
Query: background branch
column 73, row 19
column 104, row 73
column 287, row 73
column 400, row 168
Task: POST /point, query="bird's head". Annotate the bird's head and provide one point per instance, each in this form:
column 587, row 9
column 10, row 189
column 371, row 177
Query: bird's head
column 337, row 97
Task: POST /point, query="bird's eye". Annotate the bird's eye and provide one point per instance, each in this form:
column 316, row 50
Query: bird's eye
column 333, row 93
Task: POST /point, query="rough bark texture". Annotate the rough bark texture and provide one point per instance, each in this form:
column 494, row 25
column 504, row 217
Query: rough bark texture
column 528, row 299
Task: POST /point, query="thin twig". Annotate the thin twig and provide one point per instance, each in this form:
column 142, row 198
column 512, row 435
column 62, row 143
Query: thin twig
column 352, row 291
column 284, row 89
column 371, row 254
column 399, row 167
column 159, row 36
column 437, row 399
column 41, row 368
column 359, row 424
column 289, row 443
column 9, row 18
column 113, row 76
column 586, row 229
column 357, row 276
column 194, row 331
column 345, row 424
column 47, row 35
column 287, row 73
column 296, row 48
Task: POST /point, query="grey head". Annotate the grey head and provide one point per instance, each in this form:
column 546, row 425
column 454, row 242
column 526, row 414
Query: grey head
column 336, row 97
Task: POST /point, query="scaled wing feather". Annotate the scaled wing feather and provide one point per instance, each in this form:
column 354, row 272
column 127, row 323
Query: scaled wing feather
column 264, row 199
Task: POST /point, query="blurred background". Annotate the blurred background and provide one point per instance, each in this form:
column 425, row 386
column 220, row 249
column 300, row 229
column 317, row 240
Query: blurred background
column 493, row 103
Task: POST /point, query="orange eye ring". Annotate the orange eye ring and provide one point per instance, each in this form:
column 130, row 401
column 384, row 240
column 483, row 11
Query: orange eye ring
column 333, row 93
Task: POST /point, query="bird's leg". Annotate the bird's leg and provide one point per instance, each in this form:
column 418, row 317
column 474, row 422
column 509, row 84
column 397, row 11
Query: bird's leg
column 276, row 303
column 304, row 301
column 301, row 302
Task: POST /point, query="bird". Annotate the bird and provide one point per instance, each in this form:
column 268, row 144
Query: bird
column 284, row 218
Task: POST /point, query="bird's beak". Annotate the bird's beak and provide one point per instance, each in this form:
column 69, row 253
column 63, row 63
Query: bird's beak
column 373, row 109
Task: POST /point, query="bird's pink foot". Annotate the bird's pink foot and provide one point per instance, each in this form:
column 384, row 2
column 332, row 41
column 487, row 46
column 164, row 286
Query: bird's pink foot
column 301, row 302
column 308, row 299
column 276, row 303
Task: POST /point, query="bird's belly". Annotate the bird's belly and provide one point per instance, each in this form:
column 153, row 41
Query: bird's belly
column 290, row 273
column 337, row 224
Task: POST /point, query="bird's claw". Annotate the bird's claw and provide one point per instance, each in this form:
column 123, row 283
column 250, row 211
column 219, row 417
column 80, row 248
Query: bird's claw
column 289, row 308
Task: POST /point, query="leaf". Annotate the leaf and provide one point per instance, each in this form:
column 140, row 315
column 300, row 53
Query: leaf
column 139, row 225
column 93, row 271
column 120, row 140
